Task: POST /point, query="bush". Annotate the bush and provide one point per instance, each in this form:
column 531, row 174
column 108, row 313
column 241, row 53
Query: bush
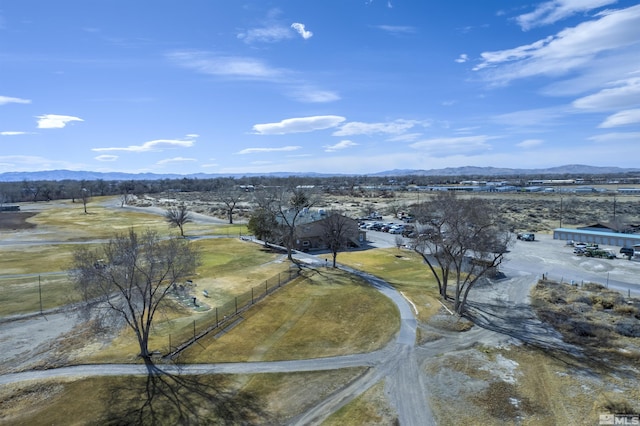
column 628, row 327
column 625, row 309
column 593, row 287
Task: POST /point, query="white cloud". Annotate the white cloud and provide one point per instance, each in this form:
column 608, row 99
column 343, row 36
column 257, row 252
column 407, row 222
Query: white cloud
column 106, row 157
column 9, row 100
column 19, row 163
column 313, row 95
column 260, row 150
column 575, row 48
column 54, row 121
column 175, row 160
column 9, row 133
column 225, row 66
column 298, row 125
column 397, row 29
column 405, row 137
column 339, row 146
column 301, row 30
column 626, row 93
column 553, row 11
column 155, row 145
column 270, row 34
column 462, row 58
column 451, row 146
column 393, row 127
column 529, row 143
column 630, row 116
column 617, row 137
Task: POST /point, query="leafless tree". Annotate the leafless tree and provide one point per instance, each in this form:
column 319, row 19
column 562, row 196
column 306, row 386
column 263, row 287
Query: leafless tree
column 178, row 216
column 287, row 204
column 131, row 276
column 461, row 240
column 337, row 232
column 230, row 196
column 85, row 195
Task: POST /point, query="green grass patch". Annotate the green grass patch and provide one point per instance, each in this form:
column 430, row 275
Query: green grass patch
column 326, row 313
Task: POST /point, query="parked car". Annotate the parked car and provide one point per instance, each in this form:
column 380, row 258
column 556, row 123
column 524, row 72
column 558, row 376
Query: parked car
column 627, row 251
column 527, row 236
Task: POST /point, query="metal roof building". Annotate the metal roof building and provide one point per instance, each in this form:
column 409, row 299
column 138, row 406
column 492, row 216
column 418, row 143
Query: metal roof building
column 598, row 237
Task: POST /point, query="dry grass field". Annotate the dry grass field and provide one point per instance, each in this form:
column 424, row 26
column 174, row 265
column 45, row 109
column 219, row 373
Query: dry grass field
column 328, row 313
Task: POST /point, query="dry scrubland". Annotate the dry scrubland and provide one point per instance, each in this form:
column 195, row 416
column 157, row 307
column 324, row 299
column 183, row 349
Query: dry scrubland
column 314, row 316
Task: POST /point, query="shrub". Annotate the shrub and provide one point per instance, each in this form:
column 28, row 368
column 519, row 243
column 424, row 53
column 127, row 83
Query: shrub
column 593, row 287
column 625, row 309
column 628, row 327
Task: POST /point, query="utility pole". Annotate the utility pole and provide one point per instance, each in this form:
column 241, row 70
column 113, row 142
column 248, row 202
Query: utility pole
column 560, row 212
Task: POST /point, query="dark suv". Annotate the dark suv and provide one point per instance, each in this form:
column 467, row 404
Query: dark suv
column 627, row 251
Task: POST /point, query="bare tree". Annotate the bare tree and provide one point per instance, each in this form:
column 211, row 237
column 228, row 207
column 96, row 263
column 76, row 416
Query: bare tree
column 337, row 232
column 460, row 240
column 178, row 216
column 230, row 196
column 85, row 195
column 287, row 204
column 131, row 276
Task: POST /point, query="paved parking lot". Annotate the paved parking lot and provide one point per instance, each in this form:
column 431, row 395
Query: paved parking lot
column 555, row 259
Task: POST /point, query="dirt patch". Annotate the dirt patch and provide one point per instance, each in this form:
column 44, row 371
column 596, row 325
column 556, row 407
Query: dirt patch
column 16, row 220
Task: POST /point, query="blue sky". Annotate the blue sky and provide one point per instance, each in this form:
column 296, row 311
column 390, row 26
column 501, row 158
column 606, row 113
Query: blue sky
column 330, row 86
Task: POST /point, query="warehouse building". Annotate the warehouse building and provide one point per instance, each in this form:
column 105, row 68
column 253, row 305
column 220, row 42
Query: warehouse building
column 597, row 237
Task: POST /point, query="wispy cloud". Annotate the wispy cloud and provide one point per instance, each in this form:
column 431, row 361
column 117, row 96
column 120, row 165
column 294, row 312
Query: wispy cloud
column 339, row 146
column 397, row 29
column 392, row 128
column 107, row 157
column 268, row 34
column 154, row 145
column 54, row 121
column 298, row 125
column 623, row 94
column 451, row 146
column 175, row 160
column 9, row 100
column 300, row 29
column 622, row 118
column 553, row 11
column 530, row 143
column 225, row 66
column 10, row 133
column 575, row 48
column 311, row 94
column 462, row 58
column 262, row 150
column 617, row 137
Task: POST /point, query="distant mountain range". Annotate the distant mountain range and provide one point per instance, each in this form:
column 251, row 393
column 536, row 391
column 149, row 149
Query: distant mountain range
column 571, row 169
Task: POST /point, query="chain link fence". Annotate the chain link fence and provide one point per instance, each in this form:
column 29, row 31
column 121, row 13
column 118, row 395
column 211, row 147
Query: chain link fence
column 226, row 314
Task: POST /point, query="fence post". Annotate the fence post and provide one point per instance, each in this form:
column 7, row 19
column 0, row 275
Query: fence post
column 252, row 295
column 194, row 330
column 169, row 342
column 236, row 305
column 217, row 316
column 266, row 287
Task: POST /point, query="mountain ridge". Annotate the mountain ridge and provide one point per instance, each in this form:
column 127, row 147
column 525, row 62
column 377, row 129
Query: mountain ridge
column 78, row 175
